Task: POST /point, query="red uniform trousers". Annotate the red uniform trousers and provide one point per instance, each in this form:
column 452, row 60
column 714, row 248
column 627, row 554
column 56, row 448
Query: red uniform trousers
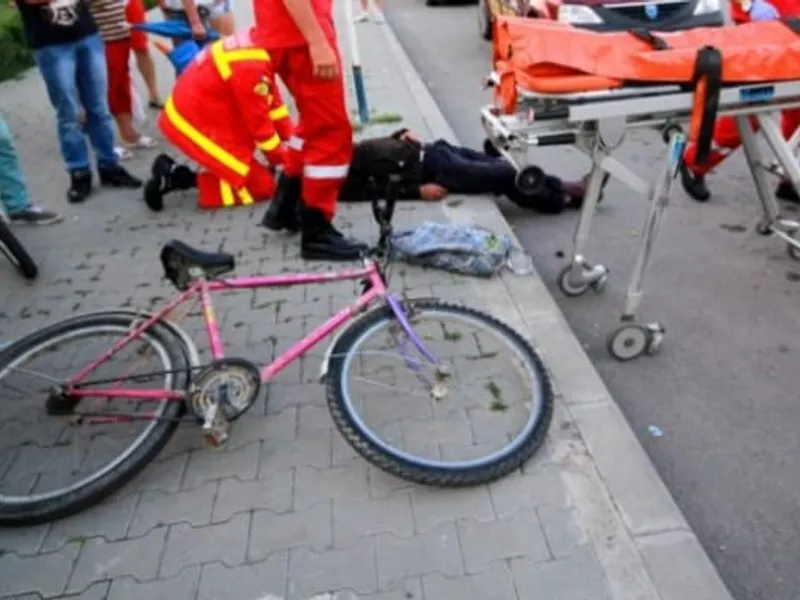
column 322, row 145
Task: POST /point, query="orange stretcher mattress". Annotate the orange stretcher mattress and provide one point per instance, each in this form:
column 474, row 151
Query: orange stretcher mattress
column 554, row 58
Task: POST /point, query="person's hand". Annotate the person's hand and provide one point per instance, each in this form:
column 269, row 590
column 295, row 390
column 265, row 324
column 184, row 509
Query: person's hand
column 763, row 11
column 323, row 58
column 198, row 31
column 409, row 136
column 431, row 192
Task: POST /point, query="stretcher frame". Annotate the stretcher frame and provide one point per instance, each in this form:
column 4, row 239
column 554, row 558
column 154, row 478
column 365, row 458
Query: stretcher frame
column 596, row 123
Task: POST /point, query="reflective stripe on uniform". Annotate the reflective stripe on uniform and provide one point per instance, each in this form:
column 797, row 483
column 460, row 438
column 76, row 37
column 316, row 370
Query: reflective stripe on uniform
column 270, row 144
column 279, row 113
column 224, row 58
column 206, row 144
column 226, row 192
column 245, row 197
column 296, row 143
column 326, row 171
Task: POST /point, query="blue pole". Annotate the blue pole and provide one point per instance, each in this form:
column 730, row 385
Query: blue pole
column 358, row 76
column 361, row 94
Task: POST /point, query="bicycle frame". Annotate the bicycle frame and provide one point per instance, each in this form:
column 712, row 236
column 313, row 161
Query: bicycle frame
column 203, row 289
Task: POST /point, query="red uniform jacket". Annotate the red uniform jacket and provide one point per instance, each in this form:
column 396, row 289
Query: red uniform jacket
column 225, row 105
column 275, row 23
column 785, row 8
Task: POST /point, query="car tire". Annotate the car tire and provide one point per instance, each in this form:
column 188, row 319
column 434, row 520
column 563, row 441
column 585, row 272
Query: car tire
column 484, row 20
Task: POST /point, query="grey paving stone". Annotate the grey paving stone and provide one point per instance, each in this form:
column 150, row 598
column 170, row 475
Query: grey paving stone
column 517, row 492
column 23, row 540
column 156, row 509
column 273, row 493
column 434, row 506
column 99, row 559
column 187, row 546
column 410, row 589
column 577, row 577
column 208, row 465
column 561, row 529
column 45, row 574
column 483, row 543
column 278, row 455
column 109, row 519
column 348, row 482
column 353, row 519
column 272, row 532
column 182, row 586
column 266, row 579
column 280, row 426
column 313, row 573
column 496, row 583
column 433, row 552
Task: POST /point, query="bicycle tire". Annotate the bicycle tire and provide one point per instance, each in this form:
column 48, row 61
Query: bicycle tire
column 394, row 463
column 66, row 503
column 16, row 253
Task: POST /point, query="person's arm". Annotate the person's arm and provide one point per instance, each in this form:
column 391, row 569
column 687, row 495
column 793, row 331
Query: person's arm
column 193, row 16
column 326, row 64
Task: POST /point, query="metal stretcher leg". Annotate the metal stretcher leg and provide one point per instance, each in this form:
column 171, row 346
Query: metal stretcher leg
column 773, row 222
column 630, row 340
column 577, row 277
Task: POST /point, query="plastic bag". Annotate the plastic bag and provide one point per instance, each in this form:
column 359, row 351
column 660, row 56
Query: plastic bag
column 463, row 249
column 138, row 111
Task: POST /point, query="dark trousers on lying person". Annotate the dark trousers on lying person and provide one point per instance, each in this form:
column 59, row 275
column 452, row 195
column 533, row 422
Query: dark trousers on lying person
column 466, row 171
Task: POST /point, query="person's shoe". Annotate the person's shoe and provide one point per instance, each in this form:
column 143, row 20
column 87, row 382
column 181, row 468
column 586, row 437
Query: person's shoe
column 166, row 176
column 361, row 17
column 320, row 240
column 786, row 191
column 377, row 17
column 80, row 187
column 283, row 209
column 35, row 215
column 118, row 177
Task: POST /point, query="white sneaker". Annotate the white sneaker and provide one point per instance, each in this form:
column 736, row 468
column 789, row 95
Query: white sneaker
column 361, row 17
column 377, row 17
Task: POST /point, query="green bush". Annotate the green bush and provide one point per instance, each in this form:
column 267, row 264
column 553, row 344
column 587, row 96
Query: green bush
column 150, row 4
column 14, row 54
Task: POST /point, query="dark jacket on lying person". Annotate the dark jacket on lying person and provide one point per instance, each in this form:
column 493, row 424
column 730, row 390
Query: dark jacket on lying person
column 430, row 171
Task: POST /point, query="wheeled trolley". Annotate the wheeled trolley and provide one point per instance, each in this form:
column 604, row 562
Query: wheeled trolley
column 596, row 123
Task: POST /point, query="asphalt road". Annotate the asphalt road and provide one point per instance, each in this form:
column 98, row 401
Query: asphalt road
column 724, row 390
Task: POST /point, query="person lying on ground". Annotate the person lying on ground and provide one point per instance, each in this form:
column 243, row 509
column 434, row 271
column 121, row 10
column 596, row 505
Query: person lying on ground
column 13, row 190
column 431, row 171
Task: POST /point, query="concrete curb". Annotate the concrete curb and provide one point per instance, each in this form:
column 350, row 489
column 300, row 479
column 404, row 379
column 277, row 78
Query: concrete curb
column 639, row 536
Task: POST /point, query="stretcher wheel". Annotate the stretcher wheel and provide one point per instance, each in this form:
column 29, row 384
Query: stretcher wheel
column 792, row 250
column 694, row 185
column 595, row 278
column 764, row 228
column 490, row 149
column 630, row 341
column 530, row 180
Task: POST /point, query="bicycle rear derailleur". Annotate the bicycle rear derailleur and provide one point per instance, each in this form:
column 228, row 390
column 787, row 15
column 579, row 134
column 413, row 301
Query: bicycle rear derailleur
column 221, row 393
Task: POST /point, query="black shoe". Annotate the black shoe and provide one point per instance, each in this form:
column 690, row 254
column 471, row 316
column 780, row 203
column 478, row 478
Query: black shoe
column 284, row 206
column 320, row 240
column 694, row 185
column 162, row 165
column 34, row 215
column 786, row 191
column 118, row 177
column 80, row 187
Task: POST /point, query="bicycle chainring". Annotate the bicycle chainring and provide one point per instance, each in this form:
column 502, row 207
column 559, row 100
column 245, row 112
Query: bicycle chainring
column 232, row 384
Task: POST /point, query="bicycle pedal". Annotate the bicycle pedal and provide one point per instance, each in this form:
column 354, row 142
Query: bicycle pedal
column 216, row 428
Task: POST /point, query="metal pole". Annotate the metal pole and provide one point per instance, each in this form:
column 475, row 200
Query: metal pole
column 358, row 77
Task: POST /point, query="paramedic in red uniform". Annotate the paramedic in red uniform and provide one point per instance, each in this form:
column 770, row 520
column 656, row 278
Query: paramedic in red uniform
column 301, row 40
column 224, row 107
column 726, row 130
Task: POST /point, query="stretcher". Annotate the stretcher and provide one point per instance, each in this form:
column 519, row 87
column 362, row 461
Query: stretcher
column 596, row 120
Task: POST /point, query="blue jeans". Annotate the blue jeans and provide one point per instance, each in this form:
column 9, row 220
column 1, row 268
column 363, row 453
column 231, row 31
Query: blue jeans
column 13, row 191
column 75, row 76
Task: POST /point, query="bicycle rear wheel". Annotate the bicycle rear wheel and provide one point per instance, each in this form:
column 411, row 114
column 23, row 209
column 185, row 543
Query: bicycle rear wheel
column 16, row 253
column 42, row 481
column 430, row 425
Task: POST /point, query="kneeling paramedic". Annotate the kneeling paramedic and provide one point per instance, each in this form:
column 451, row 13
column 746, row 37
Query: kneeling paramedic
column 301, row 39
column 224, row 108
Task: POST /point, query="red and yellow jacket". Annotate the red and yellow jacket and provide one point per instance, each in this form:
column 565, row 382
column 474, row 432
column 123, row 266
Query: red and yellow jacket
column 225, row 105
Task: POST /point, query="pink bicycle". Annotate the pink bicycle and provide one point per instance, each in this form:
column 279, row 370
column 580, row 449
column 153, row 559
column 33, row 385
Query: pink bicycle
column 440, row 346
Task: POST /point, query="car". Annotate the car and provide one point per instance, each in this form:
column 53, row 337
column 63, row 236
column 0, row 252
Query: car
column 606, row 15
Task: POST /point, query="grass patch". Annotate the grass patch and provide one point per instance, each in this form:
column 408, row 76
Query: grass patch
column 375, row 119
column 15, row 58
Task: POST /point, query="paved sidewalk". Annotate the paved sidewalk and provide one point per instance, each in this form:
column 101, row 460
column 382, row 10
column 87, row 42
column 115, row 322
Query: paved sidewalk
column 287, row 510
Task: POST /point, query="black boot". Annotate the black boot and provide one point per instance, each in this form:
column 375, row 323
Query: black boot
column 80, row 186
column 166, row 176
column 320, row 240
column 284, row 206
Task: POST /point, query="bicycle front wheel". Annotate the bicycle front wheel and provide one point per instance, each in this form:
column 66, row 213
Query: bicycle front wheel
column 474, row 414
column 60, row 456
column 15, row 252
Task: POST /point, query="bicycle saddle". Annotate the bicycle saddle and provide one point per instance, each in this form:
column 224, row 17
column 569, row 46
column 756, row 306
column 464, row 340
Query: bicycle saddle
column 178, row 258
